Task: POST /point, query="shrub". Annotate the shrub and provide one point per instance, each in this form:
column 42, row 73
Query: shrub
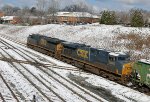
column 137, row 19
column 108, row 18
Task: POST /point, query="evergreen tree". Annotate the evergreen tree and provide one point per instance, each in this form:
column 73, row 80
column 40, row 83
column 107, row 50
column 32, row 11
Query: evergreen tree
column 113, row 18
column 137, row 19
column 108, row 18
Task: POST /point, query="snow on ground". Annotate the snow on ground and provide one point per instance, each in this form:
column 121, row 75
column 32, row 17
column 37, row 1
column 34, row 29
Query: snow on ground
column 3, row 88
column 119, row 91
column 21, row 83
column 95, row 35
column 116, row 89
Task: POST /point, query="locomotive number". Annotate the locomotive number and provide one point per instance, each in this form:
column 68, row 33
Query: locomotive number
column 43, row 42
column 82, row 53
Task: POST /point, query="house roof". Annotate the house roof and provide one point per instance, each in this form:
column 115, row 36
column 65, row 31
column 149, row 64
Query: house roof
column 76, row 14
column 7, row 18
column 116, row 54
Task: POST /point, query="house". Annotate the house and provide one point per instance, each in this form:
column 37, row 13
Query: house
column 1, row 14
column 75, row 17
column 11, row 19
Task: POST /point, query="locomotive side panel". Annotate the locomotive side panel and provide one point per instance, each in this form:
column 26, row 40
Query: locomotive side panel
column 51, row 46
column 69, row 52
column 98, row 56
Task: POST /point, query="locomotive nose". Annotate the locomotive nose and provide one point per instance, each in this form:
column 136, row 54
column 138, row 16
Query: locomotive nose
column 126, row 71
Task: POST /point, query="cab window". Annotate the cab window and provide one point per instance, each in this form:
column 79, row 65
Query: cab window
column 112, row 59
column 121, row 58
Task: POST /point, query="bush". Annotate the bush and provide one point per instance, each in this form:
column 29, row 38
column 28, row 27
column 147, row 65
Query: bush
column 108, row 18
column 137, row 42
column 137, row 19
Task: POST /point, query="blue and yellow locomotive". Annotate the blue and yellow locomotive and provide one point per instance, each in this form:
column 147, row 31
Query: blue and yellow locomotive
column 86, row 57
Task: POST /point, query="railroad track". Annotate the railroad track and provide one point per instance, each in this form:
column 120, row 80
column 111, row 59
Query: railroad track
column 13, row 94
column 143, row 89
column 8, row 38
column 2, row 98
column 14, row 66
column 31, row 62
column 36, row 63
column 33, row 84
column 104, row 75
column 44, row 69
column 41, row 68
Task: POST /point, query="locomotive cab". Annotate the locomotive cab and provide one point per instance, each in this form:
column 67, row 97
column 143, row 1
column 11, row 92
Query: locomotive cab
column 121, row 63
column 33, row 39
column 117, row 57
column 119, row 60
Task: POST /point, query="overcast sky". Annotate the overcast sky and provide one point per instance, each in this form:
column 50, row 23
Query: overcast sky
column 97, row 4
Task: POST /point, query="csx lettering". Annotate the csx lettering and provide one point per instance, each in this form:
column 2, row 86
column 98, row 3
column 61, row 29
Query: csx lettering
column 82, row 53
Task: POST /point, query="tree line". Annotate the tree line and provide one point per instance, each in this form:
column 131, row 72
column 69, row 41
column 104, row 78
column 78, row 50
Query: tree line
column 48, row 8
column 44, row 9
column 134, row 18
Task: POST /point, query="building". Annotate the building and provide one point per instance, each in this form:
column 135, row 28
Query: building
column 75, row 17
column 1, row 14
column 11, row 19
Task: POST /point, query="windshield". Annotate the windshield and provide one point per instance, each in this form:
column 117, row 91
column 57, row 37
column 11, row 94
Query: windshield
column 112, row 58
column 121, row 58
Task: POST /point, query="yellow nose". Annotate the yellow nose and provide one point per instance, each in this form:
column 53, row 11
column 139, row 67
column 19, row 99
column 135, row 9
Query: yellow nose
column 127, row 69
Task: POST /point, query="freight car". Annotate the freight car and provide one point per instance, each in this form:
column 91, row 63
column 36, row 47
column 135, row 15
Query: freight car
column 141, row 72
column 91, row 59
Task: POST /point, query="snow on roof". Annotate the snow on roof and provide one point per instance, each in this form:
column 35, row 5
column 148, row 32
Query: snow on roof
column 35, row 17
column 102, row 49
column 76, row 14
column 116, row 53
column 7, row 18
column 145, row 61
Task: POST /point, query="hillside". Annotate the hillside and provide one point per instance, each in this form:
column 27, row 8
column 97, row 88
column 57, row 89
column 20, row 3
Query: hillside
column 111, row 37
column 55, row 78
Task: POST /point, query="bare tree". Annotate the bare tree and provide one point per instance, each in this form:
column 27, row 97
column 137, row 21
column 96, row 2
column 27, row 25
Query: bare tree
column 146, row 17
column 123, row 17
column 16, row 10
column 41, row 7
column 33, row 10
column 25, row 15
column 8, row 10
column 53, row 9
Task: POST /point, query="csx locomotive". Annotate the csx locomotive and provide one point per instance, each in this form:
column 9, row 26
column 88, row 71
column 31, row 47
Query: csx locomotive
column 98, row 61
